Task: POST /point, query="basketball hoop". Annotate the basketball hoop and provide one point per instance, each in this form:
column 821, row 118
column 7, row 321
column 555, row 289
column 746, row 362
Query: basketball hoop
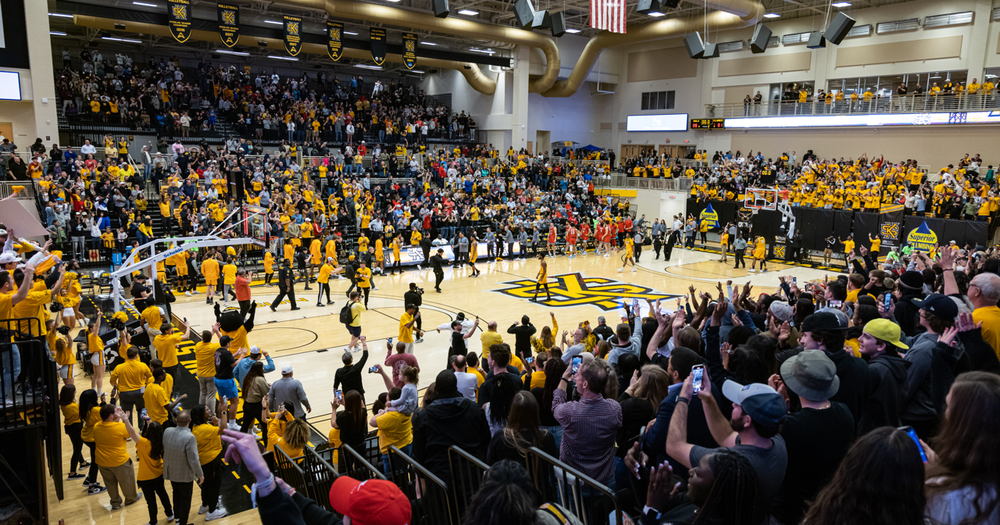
column 761, row 199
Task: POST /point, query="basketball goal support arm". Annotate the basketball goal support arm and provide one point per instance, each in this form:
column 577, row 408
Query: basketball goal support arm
column 188, row 243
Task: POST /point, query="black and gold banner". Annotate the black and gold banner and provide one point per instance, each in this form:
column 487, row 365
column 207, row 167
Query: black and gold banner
column 229, row 24
column 334, row 44
column 179, row 18
column 293, row 35
column 377, row 37
column 409, row 50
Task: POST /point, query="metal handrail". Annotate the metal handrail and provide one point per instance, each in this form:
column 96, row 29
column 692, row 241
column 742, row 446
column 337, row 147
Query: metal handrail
column 467, row 473
column 582, row 495
column 356, row 466
column 913, row 103
column 320, row 476
column 290, row 471
column 427, row 492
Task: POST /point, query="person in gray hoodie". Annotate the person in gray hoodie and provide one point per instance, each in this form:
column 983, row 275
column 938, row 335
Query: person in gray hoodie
column 886, row 372
column 931, row 365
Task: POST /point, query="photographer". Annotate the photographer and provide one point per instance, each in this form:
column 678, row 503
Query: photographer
column 415, row 297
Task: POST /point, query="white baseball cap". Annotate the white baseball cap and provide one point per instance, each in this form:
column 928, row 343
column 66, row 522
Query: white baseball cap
column 9, row 257
column 255, row 350
column 287, row 369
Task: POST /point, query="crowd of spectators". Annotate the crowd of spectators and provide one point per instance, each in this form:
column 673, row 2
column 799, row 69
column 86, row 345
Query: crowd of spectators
column 738, row 406
column 177, row 102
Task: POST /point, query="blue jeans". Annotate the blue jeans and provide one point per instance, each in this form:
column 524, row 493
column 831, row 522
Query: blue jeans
column 386, row 469
column 556, row 432
column 10, row 371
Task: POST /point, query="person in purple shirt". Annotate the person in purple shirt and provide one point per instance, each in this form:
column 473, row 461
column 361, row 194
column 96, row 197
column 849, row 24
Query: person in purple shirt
column 591, row 424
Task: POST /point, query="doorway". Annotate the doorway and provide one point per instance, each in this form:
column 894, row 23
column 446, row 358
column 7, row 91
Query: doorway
column 544, row 141
column 635, row 150
column 7, row 130
column 676, row 152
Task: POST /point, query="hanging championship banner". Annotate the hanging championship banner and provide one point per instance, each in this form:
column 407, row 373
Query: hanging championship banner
column 179, row 18
column 293, row 35
column 377, row 37
column 229, row 24
column 334, row 45
column 409, row 50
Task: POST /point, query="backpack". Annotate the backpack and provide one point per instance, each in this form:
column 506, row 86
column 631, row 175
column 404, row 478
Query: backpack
column 346, row 316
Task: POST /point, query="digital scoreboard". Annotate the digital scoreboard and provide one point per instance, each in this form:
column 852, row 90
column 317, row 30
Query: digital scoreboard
column 708, row 123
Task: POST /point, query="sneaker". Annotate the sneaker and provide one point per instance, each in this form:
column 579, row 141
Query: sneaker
column 202, row 509
column 419, row 340
column 374, row 288
column 187, row 294
column 219, row 513
column 620, row 270
column 170, row 517
column 634, row 270
column 296, row 308
column 96, row 489
column 751, row 270
column 86, row 483
column 329, row 302
column 233, row 426
column 76, row 475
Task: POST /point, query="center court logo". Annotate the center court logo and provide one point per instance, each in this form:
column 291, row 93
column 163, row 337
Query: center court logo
column 575, row 289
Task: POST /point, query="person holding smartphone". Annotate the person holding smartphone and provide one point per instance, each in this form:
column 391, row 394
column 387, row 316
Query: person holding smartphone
column 590, row 425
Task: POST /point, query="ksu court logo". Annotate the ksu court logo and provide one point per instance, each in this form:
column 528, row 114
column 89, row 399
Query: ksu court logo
column 889, row 231
column 779, row 251
column 576, row 289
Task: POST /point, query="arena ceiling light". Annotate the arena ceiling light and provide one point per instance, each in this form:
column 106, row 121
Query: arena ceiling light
column 274, row 22
column 368, row 66
column 231, row 52
column 571, row 30
column 428, row 43
column 60, row 15
column 145, row 4
column 57, row 33
column 772, row 15
column 352, row 33
column 484, row 51
column 468, row 12
column 126, row 40
column 276, row 57
column 841, row 4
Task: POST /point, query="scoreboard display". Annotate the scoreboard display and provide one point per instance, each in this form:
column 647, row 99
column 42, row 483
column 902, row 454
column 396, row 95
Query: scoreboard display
column 708, row 123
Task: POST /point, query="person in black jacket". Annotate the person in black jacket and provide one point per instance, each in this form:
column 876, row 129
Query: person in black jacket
column 350, row 374
column 910, row 286
column 603, row 331
column 887, row 374
column 415, row 297
column 824, row 330
column 437, row 262
column 285, row 286
column 450, row 419
column 522, row 337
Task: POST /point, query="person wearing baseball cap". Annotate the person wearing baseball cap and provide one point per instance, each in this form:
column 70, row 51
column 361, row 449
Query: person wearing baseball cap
column 911, row 286
column 826, row 331
column 925, row 391
column 817, row 436
column 752, row 431
column 9, row 260
column 880, row 341
column 372, row 502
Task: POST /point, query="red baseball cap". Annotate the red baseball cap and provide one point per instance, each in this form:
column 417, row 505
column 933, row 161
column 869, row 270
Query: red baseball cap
column 372, row 502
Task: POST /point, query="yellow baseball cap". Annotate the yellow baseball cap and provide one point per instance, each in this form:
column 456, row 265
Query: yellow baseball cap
column 885, row 330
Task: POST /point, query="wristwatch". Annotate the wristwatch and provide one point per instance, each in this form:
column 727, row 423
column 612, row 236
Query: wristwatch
column 651, row 513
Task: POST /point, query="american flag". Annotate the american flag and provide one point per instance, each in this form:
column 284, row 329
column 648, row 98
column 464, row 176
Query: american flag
column 608, row 15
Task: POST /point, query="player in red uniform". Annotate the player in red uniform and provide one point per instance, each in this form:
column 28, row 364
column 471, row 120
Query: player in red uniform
column 550, row 247
column 571, row 241
column 584, row 236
